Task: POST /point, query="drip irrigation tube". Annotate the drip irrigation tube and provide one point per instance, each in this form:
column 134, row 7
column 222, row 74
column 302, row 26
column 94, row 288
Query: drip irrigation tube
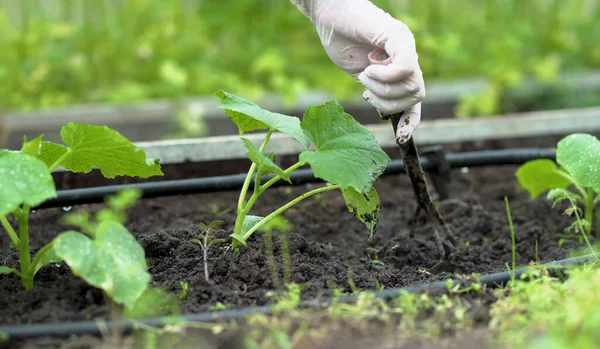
column 25, row 332
column 431, row 162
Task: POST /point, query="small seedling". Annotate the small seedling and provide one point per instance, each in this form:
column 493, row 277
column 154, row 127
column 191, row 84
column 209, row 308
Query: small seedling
column 206, row 240
column 346, row 155
column 26, row 181
column 184, row 290
column 577, row 167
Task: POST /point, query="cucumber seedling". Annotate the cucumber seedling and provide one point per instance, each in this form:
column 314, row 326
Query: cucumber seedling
column 337, row 148
column 575, row 176
column 105, row 255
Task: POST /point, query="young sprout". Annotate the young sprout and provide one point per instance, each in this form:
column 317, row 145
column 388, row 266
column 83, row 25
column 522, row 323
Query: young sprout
column 205, row 240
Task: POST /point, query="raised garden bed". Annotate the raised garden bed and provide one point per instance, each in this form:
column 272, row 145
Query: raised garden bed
column 328, row 250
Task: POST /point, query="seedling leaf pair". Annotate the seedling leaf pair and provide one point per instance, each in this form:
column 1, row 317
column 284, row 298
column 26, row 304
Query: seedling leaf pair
column 577, row 165
column 579, row 158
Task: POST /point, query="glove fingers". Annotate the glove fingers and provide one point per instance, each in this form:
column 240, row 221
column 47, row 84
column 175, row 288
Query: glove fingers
column 412, row 85
column 408, row 123
column 399, row 69
column 390, row 106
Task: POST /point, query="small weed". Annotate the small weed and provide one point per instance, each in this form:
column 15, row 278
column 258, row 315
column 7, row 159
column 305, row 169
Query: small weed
column 206, row 240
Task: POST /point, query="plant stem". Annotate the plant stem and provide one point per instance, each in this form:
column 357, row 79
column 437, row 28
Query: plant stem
column 59, row 160
column 10, row 231
column 589, row 211
column 24, row 258
column 205, row 254
column 512, row 237
column 286, row 206
column 241, row 209
column 277, row 178
column 38, row 256
column 261, row 189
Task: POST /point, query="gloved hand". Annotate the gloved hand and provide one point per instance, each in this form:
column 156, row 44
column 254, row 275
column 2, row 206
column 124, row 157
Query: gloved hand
column 351, row 29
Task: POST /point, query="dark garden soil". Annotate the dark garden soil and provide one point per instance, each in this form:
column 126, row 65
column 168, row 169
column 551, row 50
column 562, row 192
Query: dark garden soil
column 328, row 246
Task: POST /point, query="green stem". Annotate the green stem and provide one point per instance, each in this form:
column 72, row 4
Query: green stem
column 589, row 211
column 277, row 178
column 38, row 256
column 24, row 258
column 286, row 206
column 261, row 189
column 11, row 232
column 241, row 207
column 59, row 160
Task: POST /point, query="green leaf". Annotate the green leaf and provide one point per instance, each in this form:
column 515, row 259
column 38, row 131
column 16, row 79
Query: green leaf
column 51, row 152
column 23, row 180
column 99, row 146
column 113, row 261
column 265, row 165
column 4, row 270
column 48, row 256
column 579, row 154
column 249, row 222
column 365, row 207
column 154, row 302
column 539, row 176
column 249, row 117
column 346, row 152
column 32, row 148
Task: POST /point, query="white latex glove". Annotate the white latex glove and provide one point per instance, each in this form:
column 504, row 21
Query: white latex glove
column 351, row 29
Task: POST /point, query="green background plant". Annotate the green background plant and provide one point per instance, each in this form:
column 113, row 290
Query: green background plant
column 579, row 158
column 71, row 51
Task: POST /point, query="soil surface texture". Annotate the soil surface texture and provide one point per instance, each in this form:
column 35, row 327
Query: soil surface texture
column 328, row 246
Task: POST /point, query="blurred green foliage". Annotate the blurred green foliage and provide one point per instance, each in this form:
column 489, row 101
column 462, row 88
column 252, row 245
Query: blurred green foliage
column 61, row 52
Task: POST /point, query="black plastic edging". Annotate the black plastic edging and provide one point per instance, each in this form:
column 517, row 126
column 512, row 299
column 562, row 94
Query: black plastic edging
column 73, row 197
column 25, row 332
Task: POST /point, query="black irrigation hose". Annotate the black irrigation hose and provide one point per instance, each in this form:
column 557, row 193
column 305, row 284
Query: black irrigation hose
column 25, row 332
column 429, row 162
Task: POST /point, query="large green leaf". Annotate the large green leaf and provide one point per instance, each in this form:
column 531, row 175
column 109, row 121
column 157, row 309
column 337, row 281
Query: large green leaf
column 579, row 154
column 346, row 152
column 23, row 180
column 539, row 176
column 249, row 117
column 112, row 261
column 365, row 207
column 91, row 146
column 265, row 164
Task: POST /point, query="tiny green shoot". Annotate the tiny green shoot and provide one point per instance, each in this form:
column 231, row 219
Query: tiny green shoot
column 345, row 155
column 184, row 290
column 206, row 240
column 575, row 176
